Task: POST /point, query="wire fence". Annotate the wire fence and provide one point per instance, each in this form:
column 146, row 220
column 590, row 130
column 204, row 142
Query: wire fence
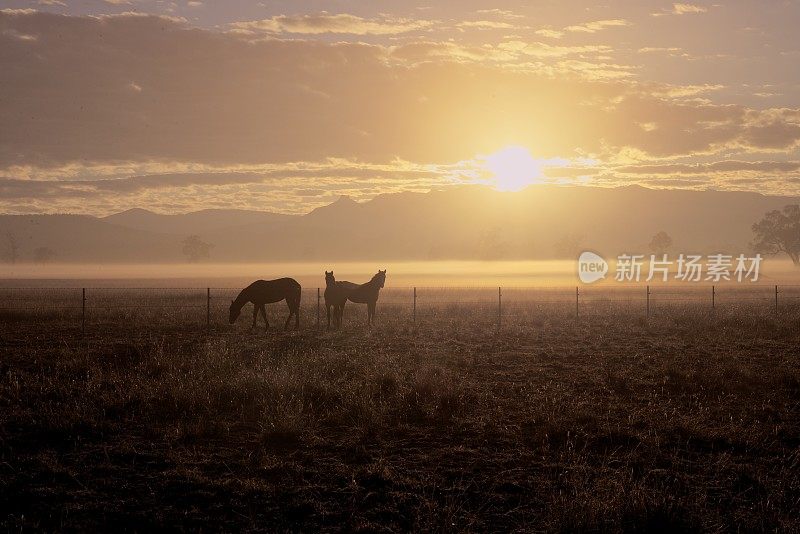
column 96, row 307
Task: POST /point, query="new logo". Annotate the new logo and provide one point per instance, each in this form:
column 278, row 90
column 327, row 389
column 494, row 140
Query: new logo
column 591, row 267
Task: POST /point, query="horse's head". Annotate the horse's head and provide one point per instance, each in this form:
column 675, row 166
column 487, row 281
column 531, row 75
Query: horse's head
column 234, row 312
column 329, row 279
column 380, row 277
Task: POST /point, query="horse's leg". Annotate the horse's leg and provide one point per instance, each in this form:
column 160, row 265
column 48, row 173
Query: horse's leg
column 328, row 309
column 297, row 314
column 291, row 312
column 264, row 313
column 340, row 314
column 370, row 312
column 255, row 316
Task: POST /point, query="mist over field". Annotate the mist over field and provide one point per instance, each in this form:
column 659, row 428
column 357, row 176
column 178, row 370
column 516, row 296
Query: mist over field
column 311, row 275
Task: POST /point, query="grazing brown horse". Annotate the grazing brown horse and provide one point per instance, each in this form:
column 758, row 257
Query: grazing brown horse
column 263, row 292
column 368, row 294
column 336, row 297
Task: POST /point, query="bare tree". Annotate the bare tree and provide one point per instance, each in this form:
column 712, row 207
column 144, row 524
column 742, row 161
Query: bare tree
column 779, row 231
column 661, row 242
column 13, row 247
column 196, row 249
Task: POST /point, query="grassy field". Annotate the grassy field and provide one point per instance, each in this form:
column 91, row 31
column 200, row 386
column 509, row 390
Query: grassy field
column 687, row 420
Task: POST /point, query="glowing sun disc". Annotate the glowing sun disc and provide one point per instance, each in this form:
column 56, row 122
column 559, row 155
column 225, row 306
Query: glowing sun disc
column 513, row 168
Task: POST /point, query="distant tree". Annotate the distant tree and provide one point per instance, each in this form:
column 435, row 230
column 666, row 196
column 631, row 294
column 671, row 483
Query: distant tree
column 43, row 254
column 12, row 247
column 492, row 246
column 779, row 231
column 196, row 249
column 569, row 246
column 661, row 242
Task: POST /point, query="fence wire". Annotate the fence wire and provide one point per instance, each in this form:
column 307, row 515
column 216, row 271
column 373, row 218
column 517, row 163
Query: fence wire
column 97, row 306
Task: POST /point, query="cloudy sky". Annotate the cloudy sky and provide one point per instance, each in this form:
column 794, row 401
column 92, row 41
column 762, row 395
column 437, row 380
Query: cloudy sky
column 285, row 105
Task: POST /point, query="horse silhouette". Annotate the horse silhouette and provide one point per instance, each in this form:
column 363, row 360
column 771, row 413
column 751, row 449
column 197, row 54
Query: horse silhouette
column 368, row 294
column 263, row 292
column 336, row 297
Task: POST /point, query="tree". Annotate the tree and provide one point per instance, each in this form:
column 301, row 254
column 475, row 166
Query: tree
column 196, row 249
column 43, row 254
column 492, row 246
column 13, row 247
column 661, row 242
column 779, row 231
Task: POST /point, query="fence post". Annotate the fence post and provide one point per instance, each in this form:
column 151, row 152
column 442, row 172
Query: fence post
column 713, row 297
column 576, row 302
column 776, row 299
column 414, row 312
column 208, row 307
column 83, row 310
column 648, row 301
column 499, row 308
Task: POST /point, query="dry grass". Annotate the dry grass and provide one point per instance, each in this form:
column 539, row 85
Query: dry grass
column 686, row 421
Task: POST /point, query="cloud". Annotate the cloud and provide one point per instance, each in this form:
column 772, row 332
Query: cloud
column 544, row 50
column 772, row 129
column 16, row 35
column 324, row 22
column 280, row 188
column 500, row 13
column 549, row 32
column 485, row 24
column 220, row 99
column 597, row 25
column 587, row 27
column 684, row 91
column 541, row 59
column 96, row 98
column 722, row 167
column 654, row 49
column 17, row 12
column 684, row 9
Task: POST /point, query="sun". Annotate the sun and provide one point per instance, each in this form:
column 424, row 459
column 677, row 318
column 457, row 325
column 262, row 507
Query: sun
column 513, row 168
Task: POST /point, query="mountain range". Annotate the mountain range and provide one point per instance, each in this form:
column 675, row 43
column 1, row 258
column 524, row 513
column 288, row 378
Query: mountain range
column 468, row 222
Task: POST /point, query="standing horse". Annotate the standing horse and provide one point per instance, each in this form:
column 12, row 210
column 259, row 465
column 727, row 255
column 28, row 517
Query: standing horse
column 263, row 292
column 368, row 294
column 336, row 297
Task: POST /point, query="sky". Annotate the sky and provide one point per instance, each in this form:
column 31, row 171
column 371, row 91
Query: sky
column 283, row 106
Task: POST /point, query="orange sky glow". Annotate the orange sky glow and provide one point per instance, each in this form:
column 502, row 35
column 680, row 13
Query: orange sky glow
column 285, row 106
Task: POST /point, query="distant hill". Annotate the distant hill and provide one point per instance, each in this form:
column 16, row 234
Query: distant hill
column 80, row 238
column 197, row 222
column 469, row 222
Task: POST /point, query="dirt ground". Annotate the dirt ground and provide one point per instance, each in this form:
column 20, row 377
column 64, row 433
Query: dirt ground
column 684, row 421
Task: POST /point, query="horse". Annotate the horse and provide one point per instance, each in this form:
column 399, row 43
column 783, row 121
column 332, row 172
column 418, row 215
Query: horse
column 263, row 292
column 368, row 294
column 336, row 297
